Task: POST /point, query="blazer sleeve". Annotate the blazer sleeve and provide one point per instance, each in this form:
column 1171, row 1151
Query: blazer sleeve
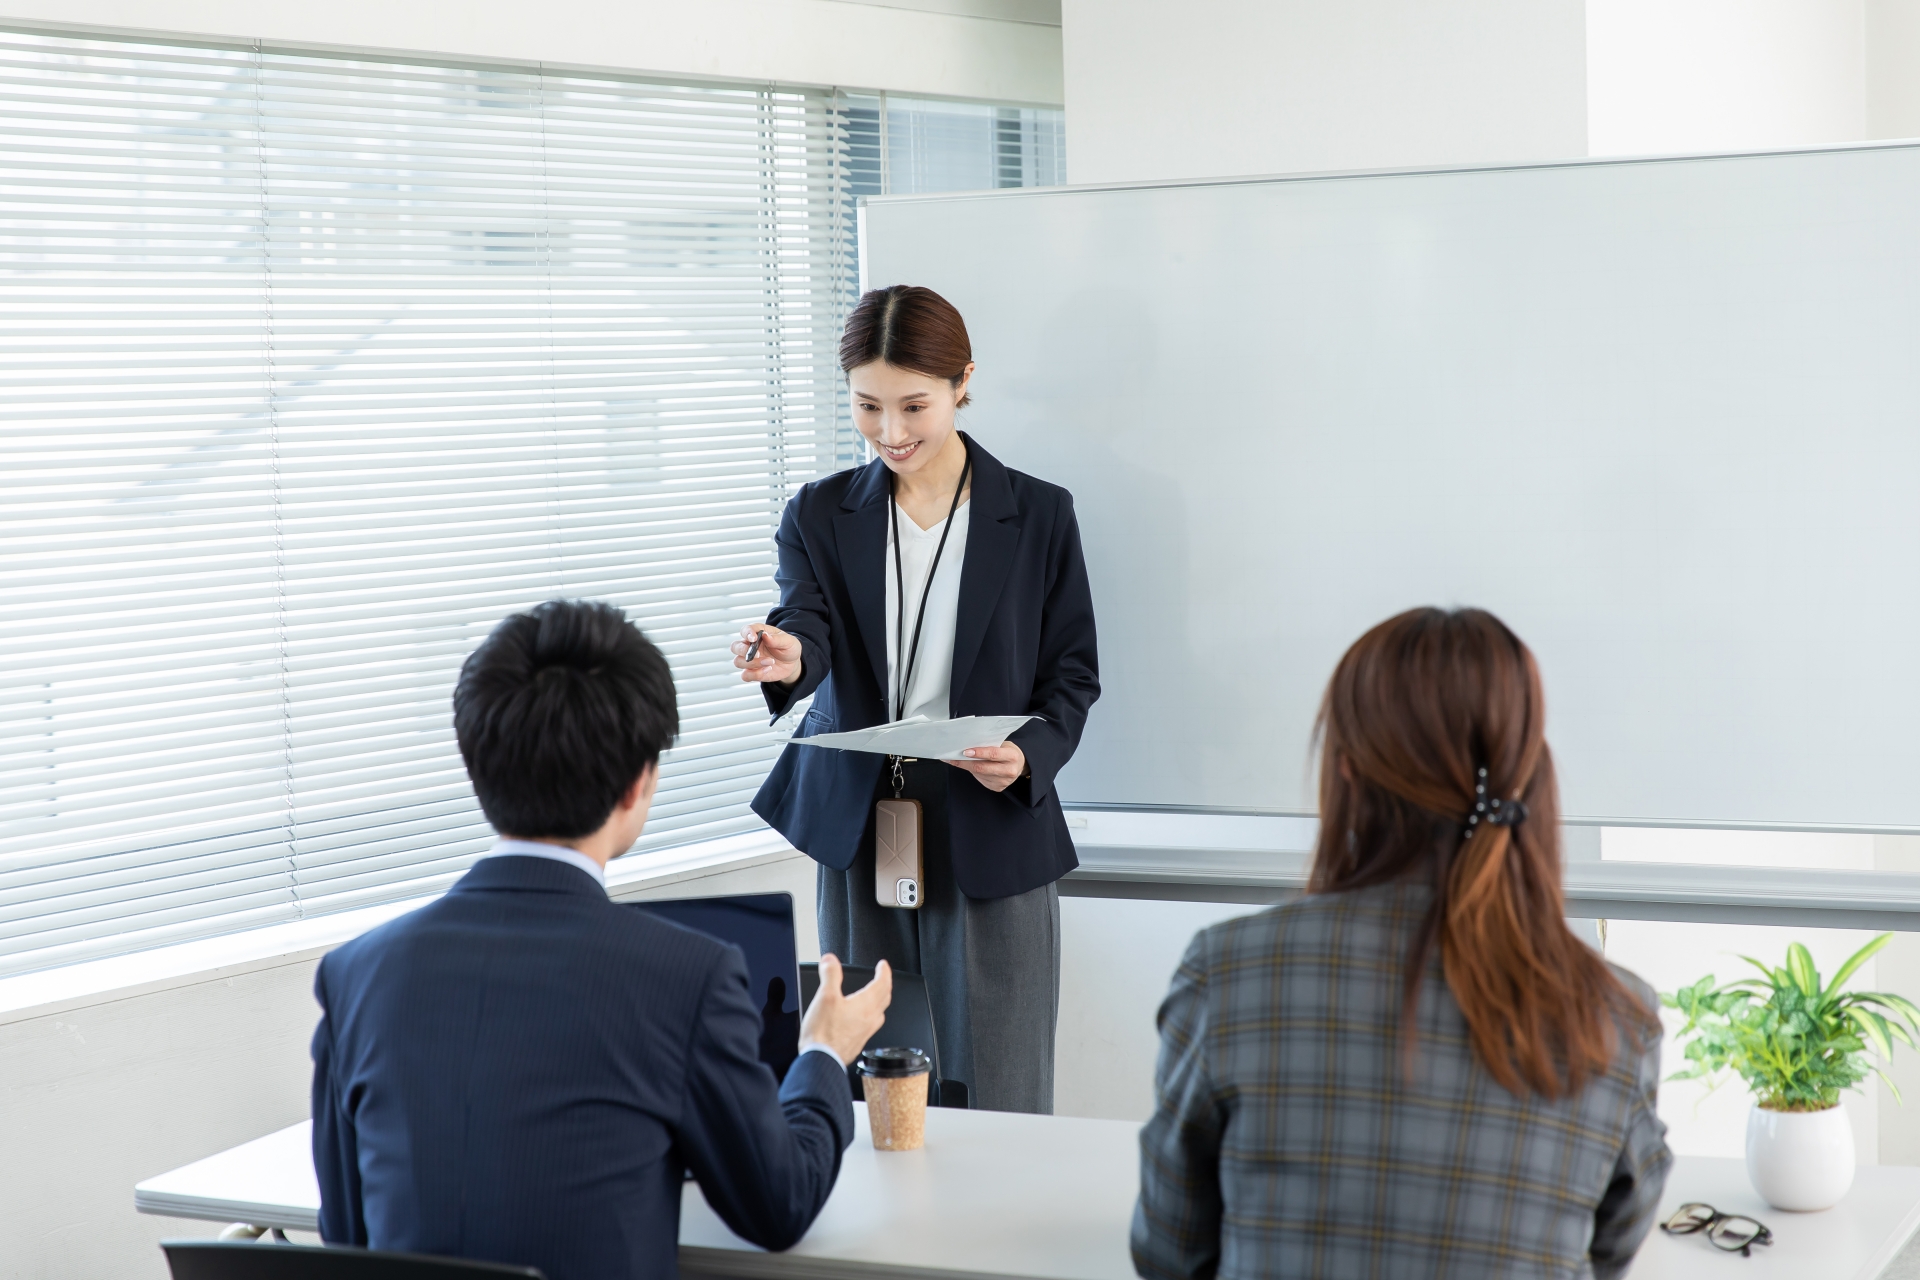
column 1066, row 679
column 766, row 1160
column 1625, row 1214
column 336, row 1157
column 1176, row 1223
column 801, row 613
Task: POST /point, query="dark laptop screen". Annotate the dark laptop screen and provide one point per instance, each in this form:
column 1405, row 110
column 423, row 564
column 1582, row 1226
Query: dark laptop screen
column 761, row 925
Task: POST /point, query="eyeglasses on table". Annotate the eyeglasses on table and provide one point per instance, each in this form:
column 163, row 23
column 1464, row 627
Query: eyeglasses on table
column 1729, row 1231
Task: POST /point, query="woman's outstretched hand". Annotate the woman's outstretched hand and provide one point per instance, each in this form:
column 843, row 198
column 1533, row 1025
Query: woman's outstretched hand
column 997, row 768
column 776, row 662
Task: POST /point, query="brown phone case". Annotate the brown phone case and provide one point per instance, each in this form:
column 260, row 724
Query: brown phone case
column 896, row 854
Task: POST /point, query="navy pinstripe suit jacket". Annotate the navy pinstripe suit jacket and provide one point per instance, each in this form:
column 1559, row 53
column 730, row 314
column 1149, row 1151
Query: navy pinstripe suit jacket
column 521, row 1072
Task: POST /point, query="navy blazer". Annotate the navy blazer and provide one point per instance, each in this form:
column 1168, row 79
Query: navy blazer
column 1023, row 645
column 521, row 1071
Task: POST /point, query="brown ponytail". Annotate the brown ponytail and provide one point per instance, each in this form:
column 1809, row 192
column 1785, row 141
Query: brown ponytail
column 1415, row 709
column 908, row 327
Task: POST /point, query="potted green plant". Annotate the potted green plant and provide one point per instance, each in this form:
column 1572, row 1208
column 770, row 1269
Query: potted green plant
column 1797, row 1044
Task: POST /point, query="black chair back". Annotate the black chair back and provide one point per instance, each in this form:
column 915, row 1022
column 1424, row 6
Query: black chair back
column 909, row 1023
column 250, row 1260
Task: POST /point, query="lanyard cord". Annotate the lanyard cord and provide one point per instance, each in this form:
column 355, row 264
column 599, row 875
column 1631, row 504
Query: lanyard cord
column 904, row 680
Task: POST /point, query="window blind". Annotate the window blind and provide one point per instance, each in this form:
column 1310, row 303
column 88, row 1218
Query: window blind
column 316, row 366
column 898, row 145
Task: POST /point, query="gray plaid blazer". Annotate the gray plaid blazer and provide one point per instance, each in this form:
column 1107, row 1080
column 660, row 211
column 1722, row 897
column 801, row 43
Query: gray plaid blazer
column 1288, row 1140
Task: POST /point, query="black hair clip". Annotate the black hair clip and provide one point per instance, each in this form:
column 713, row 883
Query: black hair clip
column 1496, row 812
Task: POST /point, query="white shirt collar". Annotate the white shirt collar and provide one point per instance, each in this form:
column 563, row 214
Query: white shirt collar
column 555, row 852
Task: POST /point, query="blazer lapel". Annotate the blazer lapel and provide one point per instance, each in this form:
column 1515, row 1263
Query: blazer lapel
column 860, row 531
column 993, row 534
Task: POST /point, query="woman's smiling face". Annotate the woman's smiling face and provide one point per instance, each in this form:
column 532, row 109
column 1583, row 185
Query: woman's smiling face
column 907, row 417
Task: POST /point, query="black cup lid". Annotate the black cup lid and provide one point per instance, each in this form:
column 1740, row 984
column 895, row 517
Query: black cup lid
column 895, row 1062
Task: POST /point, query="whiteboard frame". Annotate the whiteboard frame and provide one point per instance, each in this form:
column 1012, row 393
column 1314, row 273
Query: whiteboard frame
column 1323, row 175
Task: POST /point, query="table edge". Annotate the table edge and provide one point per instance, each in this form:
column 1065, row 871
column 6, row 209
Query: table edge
column 752, row 1264
column 165, row 1204
column 698, row 1260
column 1892, row 1247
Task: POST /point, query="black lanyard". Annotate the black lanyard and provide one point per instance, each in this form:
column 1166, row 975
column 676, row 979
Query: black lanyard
column 905, row 681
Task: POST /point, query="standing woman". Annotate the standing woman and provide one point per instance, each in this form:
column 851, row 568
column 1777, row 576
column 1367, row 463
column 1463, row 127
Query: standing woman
column 934, row 582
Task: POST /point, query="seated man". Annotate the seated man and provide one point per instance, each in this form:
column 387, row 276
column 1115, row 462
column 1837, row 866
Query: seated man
column 522, row 1071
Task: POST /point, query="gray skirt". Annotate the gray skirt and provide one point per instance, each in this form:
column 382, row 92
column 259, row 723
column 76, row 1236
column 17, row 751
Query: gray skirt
column 992, row 965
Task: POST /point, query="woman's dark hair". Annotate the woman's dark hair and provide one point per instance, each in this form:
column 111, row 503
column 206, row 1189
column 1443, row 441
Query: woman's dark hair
column 908, row 327
column 557, row 712
column 1415, row 709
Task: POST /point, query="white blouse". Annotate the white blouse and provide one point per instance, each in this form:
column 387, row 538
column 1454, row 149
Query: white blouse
column 933, row 669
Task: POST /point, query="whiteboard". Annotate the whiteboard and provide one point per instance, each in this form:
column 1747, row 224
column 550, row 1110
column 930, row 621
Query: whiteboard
column 1663, row 417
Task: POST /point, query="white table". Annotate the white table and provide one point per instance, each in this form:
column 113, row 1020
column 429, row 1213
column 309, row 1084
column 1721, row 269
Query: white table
column 995, row 1194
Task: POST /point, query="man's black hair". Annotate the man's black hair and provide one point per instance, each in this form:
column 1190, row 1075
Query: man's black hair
column 557, row 713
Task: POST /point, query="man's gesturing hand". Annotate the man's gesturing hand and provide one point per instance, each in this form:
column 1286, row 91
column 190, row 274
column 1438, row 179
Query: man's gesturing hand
column 844, row 1023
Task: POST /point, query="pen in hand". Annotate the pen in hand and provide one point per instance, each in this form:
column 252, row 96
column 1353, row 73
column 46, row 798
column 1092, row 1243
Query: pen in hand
column 753, row 649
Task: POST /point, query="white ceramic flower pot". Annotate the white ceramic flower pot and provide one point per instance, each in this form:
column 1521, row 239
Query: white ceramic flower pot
column 1800, row 1160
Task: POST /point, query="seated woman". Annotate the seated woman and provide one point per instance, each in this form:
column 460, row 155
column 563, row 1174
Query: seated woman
column 1415, row 1069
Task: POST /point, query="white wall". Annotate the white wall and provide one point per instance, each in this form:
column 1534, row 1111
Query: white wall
column 95, row 1099
column 1897, row 969
column 1893, row 68
column 1117, row 957
column 1704, row 75
column 1203, row 88
column 1724, row 75
column 814, row 42
column 1209, row 88
column 1696, row 75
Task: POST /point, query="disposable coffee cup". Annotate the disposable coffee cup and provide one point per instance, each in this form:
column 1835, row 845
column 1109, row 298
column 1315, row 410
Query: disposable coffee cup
column 895, row 1082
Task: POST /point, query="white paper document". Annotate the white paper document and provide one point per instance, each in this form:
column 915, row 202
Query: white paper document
column 922, row 738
